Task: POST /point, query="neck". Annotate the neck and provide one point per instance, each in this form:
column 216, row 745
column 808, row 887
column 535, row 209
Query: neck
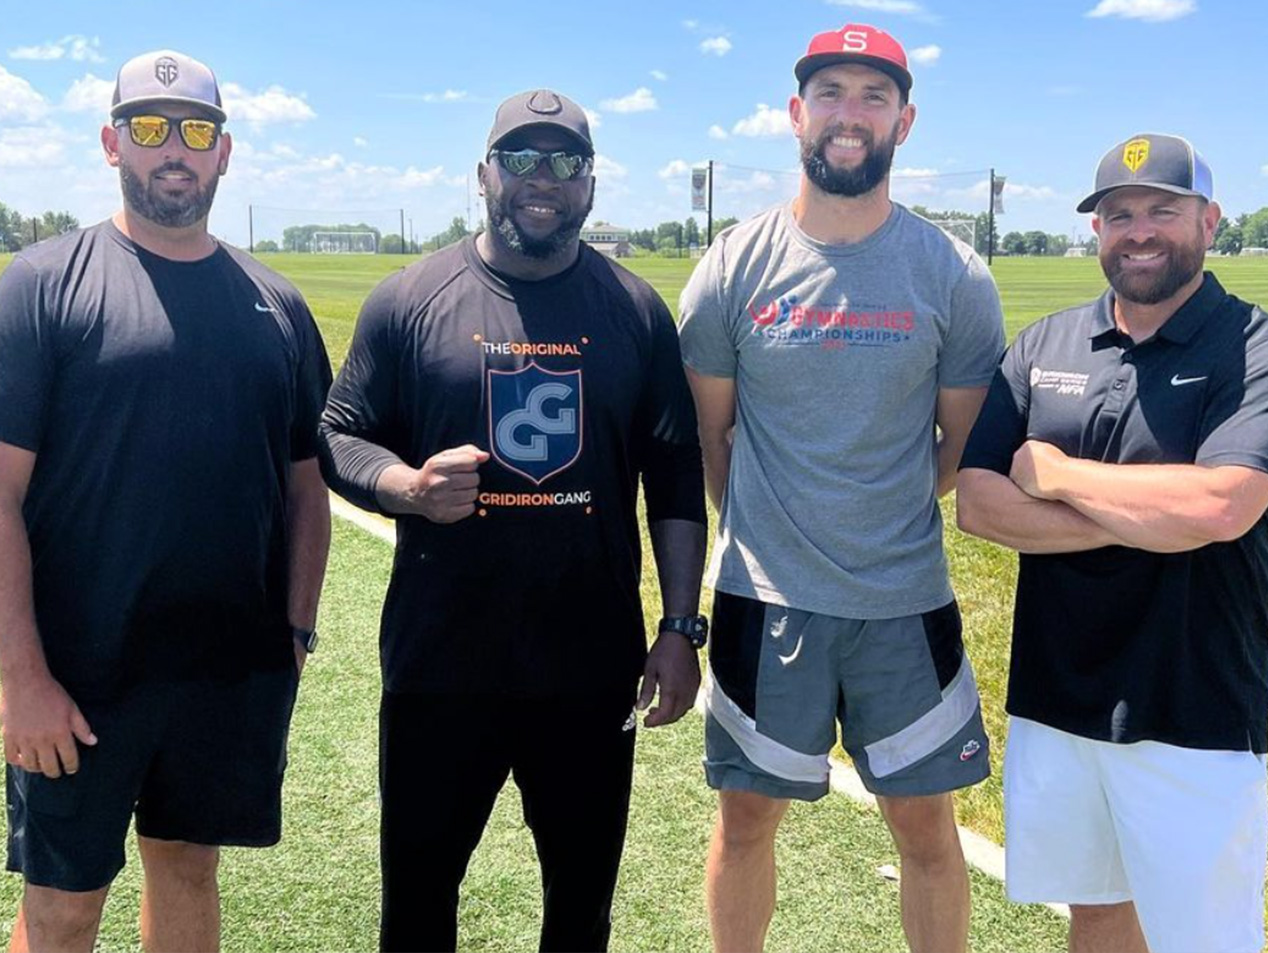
column 1142, row 321
column 501, row 259
column 840, row 219
column 189, row 243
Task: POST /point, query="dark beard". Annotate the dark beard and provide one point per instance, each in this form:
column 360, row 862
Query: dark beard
column 1184, row 262
column 177, row 211
column 503, row 228
column 848, row 182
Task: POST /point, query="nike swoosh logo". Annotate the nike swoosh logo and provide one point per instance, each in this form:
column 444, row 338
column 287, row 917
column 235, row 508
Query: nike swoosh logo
column 265, row 308
column 1178, row 381
column 789, row 659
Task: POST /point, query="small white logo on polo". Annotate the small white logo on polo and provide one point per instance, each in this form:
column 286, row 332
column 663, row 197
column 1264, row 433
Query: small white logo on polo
column 777, row 630
column 1178, row 381
column 789, row 659
column 1070, row 383
column 969, row 750
column 265, row 308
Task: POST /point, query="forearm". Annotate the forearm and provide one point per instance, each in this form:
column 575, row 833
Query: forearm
column 308, row 542
column 353, row 466
column 993, row 507
column 716, row 450
column 679, row 548
column 1158, row 507
column 21, row 652
column 948, row 458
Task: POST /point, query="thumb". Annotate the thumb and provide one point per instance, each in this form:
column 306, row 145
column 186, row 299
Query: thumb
column 648, row 689
column 79, row 727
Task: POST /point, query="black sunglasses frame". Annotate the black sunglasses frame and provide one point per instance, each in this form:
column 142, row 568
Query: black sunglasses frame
column 561, row 159
column 178, row 124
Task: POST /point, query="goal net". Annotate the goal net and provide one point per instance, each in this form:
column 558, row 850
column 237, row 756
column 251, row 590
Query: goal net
column 963, row 229
column 316, row 231
column 344, row 243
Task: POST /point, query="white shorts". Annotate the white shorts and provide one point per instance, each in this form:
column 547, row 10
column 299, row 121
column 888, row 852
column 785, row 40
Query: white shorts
column 1181, row 832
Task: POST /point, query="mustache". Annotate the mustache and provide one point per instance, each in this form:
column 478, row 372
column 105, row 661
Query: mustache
column 174, row 166
column 857, row 132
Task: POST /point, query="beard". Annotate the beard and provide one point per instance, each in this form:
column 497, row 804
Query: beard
column 503, row 227
column 848, row 182
column 1184, row 262
column 161, row 208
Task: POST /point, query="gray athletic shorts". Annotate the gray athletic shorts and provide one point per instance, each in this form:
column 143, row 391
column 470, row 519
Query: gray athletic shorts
column 902, row 690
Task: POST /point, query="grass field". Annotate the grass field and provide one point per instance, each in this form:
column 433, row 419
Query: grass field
column 319, row 890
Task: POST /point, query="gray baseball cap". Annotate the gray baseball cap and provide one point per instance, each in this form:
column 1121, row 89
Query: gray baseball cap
column 166, row 76
column 541, row 107
column 1154, row 160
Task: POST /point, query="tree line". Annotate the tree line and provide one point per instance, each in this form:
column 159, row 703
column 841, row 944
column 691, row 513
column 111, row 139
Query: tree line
column 18, row 230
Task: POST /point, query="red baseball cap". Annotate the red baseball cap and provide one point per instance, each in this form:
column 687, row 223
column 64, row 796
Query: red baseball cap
column 856, row 43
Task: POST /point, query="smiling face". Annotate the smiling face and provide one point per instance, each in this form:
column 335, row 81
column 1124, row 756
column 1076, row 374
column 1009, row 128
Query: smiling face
column 849, row 120
column 537, row 215
column 1153, row 242
column 170, row 185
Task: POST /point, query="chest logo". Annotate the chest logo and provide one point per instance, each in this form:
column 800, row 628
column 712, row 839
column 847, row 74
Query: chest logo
column 1063, row 383
column 535, row 420
column 1178, row 381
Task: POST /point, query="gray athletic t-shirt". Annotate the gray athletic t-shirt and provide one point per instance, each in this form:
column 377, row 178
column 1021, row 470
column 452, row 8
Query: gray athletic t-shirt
column 838, row 353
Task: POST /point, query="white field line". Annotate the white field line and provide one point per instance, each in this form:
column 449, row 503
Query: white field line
column 980, row 852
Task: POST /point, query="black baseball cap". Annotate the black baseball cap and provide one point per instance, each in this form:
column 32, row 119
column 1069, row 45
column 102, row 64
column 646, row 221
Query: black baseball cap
column 541, row 107
column 1155, row 160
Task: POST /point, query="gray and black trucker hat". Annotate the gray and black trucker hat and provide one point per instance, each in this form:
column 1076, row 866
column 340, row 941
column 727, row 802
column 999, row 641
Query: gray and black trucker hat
column 541, row 107
column 1154, row 160
column 166, row 76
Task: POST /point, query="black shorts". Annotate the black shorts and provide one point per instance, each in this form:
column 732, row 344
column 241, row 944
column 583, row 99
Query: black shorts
column 197, row 761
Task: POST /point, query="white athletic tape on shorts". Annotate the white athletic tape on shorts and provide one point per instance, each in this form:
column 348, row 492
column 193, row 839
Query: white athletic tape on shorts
column 930, row 731
column 770, row 756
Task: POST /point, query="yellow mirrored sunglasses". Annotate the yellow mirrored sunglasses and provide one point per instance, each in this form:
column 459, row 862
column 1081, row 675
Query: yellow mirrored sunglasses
column 152, row 131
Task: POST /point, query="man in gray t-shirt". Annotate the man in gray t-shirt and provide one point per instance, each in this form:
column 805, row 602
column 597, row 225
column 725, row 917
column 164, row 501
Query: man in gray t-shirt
column 839, row 349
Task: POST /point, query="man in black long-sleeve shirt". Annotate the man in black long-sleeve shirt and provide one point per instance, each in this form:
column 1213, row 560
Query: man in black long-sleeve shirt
column 502, row 399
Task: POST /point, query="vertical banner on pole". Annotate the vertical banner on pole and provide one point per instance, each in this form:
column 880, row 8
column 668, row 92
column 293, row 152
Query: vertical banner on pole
column 997, row 199
column 700, row 189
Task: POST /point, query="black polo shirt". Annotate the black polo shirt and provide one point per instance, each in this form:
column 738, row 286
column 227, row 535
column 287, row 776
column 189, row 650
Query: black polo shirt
column 1120, row 644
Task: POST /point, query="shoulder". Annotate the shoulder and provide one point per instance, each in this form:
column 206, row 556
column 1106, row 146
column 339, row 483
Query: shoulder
column 946, row 249
column 262, row 275
column 54, row 256
column 622, row 284
column 1077, row 321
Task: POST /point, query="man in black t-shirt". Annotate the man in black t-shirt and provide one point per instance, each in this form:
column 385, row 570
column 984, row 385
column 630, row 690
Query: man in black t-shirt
column 1123, row 451
column 502, row 399
column 163, row 532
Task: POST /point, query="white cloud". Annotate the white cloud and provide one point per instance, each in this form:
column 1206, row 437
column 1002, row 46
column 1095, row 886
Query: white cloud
column 641, row 100
column 660, row 75
column 595, row 119
column 926, row 55
column 359, row 142
column 677, row 168
column 609, row 168
column 1151, row 11
column 690, row 24
column 764, row 122
column 275, row 104
column 75, row 47
column 717, row 45
column 422, row 178
column 19, row 100
column 757, row 181
column 717, row 132
column 448, row 96
column 31, row 147
column 89, row 94
column 899, row 7
column 1263, row 170
column 910, row 173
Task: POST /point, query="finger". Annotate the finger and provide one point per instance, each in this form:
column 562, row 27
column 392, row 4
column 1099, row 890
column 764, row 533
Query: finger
column 664, row 712
column 46, row 763
column 80, row 728
column 462, row 480
column 647, row 690
column 452, row 514
column 481, row 456
column 68, row 755
column 460, row 458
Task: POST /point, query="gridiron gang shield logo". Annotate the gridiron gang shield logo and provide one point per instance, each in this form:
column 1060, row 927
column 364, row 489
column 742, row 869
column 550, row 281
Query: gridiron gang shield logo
column 535, row 420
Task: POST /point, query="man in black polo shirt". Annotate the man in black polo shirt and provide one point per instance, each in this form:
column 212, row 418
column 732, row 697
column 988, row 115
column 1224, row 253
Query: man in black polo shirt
column 1123, row 451
column 163, row 532
column 502, row 398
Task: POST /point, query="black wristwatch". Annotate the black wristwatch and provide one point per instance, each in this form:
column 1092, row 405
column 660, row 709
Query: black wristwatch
column 305, row 637
column 694, row 627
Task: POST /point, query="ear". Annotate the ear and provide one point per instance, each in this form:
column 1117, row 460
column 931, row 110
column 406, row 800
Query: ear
column 797, row 113
column 226, row 148
column 1096, row 225
column 906, row 119
column 1211, row 220
column 110, row 145
column 482, row 170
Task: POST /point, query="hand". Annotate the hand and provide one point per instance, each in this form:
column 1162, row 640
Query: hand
column 673, row 666
column 41, row 724
column 445, row 489
column 1034, row 466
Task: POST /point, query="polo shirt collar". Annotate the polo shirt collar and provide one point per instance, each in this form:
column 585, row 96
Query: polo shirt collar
column 1180, row 327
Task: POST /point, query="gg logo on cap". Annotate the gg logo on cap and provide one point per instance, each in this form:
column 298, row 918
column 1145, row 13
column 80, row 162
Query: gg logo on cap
column 166, row 71
column 1135, row 153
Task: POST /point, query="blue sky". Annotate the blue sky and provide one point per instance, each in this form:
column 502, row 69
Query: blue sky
column 386, row 105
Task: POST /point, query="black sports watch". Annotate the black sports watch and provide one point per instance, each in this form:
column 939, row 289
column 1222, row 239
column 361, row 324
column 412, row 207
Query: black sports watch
column 694, row 627
column 305, row 637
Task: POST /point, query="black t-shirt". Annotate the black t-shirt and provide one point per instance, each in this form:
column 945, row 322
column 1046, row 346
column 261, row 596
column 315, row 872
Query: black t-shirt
column 1120, row 644
column 165, row 402
column 575, row 386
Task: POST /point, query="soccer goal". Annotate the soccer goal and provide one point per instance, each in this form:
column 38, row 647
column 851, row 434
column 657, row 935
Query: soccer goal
column 345, row 243
column 965, row 229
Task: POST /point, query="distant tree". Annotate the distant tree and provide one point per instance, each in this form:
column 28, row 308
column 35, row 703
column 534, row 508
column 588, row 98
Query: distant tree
column 456, row 232
column 1228, row 237
column 55, row 223
column 1036, row 243
column 982, row 234
column 643, row 238
column 669, row 238
column 1057, row 245
column 268, row 245
column 1254, row 226
column 391, row 245
column 1014, row 243
column 690, row 232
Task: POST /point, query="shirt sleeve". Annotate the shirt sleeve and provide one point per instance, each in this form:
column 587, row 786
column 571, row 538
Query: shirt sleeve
column 673, row 472
column 1002, row 425
column 312, row 382
column 1234, row 428
column 27, row 358
column 704, row 325
column 975, row 341
column 360, row 412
